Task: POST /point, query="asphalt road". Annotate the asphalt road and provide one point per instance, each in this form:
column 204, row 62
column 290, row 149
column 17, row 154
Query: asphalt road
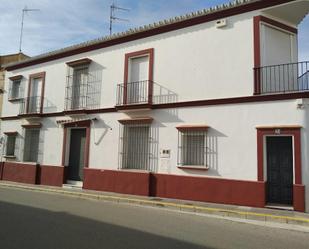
column 32, row 220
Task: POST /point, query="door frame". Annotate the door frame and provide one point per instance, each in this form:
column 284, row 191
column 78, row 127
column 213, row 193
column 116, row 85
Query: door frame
column 66, row 142
column 295, row 132
column 266, row 159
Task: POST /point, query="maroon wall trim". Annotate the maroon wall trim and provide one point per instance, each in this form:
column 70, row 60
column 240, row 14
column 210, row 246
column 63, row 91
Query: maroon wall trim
column 155, row 31
column 1, row 170
column 50, row 175
column 192, row 128
column 195, row 103
column 131, row 121
column 76, row 63
column 32, row 126
column 147, row 52
column 257, row 43
column 19, row 172
column 215, row 190
column 11, row 133
column 299, row 197
column 16, row 77
column 80, row 124
column 32, row 77
column 125, row 182
column 278, row 24
column 294, row 131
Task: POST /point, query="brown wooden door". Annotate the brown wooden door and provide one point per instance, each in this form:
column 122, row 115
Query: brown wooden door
column 280, row 170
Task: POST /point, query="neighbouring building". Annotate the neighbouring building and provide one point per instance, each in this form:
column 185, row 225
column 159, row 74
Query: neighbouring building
column 6, row 59
column 211, row 106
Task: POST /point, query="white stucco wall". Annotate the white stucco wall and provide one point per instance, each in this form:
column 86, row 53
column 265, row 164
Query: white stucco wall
column 199, row 62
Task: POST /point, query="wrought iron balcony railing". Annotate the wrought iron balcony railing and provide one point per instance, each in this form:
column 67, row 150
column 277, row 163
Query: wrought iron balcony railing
column 134, row 93
column 31, row 105
column 82, row 91
column 284, row 78
column 76, row 97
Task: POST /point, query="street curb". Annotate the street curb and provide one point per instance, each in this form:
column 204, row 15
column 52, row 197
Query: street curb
column 169, row 205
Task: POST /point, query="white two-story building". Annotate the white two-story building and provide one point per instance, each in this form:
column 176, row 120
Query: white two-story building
column 212, row 106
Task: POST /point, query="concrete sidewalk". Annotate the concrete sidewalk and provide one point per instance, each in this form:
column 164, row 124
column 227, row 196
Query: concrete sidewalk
column 221, row 210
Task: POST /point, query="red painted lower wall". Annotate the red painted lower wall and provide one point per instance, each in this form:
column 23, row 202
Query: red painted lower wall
column 19, row 172
column 299, row 197
column 125, row 182
column 50, row 175
column 216, row 190
column 246, row 193
column 1, row 169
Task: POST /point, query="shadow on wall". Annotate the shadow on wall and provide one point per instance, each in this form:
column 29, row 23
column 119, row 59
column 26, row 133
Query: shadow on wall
column 20, row 146
column 212, row 154
column 163, row 95
column 152, row 144
column 49, row 106
column 154, row 147
column 100, row 129
column 94, row 85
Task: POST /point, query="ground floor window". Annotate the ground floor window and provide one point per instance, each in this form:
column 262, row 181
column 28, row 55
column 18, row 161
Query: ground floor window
column 137, row 147
column 10, row 144
column 192, row 148
column 31, row 145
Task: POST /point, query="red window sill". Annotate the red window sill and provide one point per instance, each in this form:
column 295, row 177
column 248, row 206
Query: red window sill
column 203, row 168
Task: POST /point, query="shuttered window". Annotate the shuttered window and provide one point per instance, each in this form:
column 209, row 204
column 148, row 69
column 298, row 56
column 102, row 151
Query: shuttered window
column 31, row 145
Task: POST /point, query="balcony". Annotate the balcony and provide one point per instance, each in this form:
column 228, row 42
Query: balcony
column 31, row 106
column 283, row 78
column 82, row 92
column 134, row 95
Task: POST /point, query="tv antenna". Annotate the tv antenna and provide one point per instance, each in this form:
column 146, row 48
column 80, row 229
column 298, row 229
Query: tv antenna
column 25, row 10
column 114, row 18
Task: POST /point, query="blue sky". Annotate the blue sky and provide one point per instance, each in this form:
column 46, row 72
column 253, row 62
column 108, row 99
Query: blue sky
column 61, row 23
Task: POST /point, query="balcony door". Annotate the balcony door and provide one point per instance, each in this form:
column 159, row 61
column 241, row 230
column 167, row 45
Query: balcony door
column 35, row 95
column 137, row 87
column 79, row 88
column 279, row 48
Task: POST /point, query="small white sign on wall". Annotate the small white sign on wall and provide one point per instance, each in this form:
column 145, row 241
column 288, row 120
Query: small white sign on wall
column 165, row 161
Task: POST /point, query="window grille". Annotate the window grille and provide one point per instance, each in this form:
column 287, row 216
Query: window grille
column 31, row 145
column 83, row 88
column 192, row 148
column 10, row 145
column 137, row 148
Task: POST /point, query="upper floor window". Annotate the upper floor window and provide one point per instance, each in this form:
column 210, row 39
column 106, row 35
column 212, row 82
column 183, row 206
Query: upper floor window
column 78, row 85
column 33, row 103
column 15, row 91
column 192, row 146
column 138, row 79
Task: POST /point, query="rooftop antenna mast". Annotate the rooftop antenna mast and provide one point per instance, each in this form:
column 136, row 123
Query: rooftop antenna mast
column 114, row 18
column 25, row 10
